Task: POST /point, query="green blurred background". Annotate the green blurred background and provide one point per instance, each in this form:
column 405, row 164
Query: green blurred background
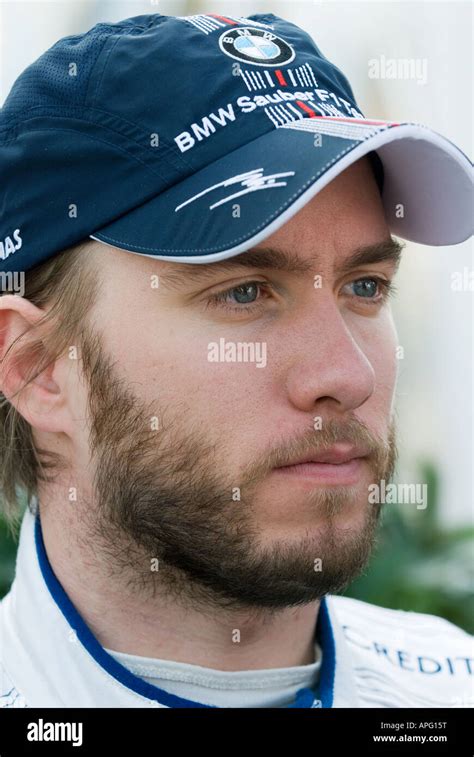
column 417, row 565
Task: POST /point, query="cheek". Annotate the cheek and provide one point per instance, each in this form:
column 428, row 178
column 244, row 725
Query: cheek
column 172, row 371
column 379, row 341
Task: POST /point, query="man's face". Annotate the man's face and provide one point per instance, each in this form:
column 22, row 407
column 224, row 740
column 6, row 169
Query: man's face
column 180, row 455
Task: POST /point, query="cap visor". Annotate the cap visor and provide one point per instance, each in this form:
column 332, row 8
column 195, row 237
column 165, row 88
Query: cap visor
column 240, row 199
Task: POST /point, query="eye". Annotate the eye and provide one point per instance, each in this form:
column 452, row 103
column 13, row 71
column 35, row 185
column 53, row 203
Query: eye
column 371, row 288
column 243, row 297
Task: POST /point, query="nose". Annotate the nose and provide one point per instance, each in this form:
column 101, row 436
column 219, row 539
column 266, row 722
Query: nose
column 328, row 368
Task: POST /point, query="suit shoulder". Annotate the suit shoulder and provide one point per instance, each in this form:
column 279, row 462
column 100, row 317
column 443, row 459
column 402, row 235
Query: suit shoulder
column 402, row 658
column 9, row 695
column 358, row 611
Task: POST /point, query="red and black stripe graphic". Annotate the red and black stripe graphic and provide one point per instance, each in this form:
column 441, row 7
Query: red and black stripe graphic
column 210, row 22
column 265, row 80
column 300, row 76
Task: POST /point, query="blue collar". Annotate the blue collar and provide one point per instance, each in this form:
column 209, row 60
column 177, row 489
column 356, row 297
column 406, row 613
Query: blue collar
column 305, row 697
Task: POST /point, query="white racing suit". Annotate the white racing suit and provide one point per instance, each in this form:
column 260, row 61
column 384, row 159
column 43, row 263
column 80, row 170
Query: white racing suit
column 371, row 656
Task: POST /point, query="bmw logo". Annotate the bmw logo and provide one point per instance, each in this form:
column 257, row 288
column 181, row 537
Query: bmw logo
column 257, row 46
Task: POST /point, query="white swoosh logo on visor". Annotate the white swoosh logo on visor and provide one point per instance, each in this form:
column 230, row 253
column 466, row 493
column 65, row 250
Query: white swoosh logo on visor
column 251, row 181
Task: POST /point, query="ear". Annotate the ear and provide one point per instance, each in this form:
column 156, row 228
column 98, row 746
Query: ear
column 41, row 402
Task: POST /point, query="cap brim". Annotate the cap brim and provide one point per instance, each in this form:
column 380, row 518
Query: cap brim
column 240, row 199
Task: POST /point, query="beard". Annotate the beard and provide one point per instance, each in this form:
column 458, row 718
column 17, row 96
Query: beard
column 163, row 513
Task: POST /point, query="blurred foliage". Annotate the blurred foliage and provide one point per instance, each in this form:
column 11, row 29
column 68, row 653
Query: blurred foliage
column 417, row 565
column 8, row 546
column 9, row 535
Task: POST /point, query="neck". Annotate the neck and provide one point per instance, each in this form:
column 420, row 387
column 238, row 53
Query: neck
column 159, row 625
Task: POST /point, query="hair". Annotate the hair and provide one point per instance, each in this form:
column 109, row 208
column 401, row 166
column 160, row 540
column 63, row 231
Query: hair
column 66, row 288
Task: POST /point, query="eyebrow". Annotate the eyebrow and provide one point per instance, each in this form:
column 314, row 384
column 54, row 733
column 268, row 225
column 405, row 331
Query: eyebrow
column 280, row 260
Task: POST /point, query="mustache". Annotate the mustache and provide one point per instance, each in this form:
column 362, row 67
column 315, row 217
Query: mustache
column 381, row 453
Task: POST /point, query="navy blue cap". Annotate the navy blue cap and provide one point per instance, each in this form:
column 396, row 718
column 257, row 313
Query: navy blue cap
column 193, row 138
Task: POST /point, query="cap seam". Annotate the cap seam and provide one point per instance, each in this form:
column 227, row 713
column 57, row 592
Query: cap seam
column 176, row 160
column 109, row 144
column 107, row 57
column 107, row 37
column 162, row 157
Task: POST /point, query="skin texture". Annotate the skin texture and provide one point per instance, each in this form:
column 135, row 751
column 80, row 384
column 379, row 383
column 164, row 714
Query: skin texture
column 182, row 532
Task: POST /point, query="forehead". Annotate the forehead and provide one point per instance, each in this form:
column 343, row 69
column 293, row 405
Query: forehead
column 287, row 261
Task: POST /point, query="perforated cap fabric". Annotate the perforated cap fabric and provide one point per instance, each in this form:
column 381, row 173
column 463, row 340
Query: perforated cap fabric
column 148, row 134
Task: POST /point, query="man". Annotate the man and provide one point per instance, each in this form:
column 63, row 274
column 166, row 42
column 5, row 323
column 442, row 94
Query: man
column 199, row 379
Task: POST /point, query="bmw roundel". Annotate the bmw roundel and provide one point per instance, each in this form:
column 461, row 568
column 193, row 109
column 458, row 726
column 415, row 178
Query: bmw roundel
column 257, row 46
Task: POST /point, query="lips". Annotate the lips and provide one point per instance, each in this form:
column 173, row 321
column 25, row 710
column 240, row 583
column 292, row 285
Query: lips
column 336, row 455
